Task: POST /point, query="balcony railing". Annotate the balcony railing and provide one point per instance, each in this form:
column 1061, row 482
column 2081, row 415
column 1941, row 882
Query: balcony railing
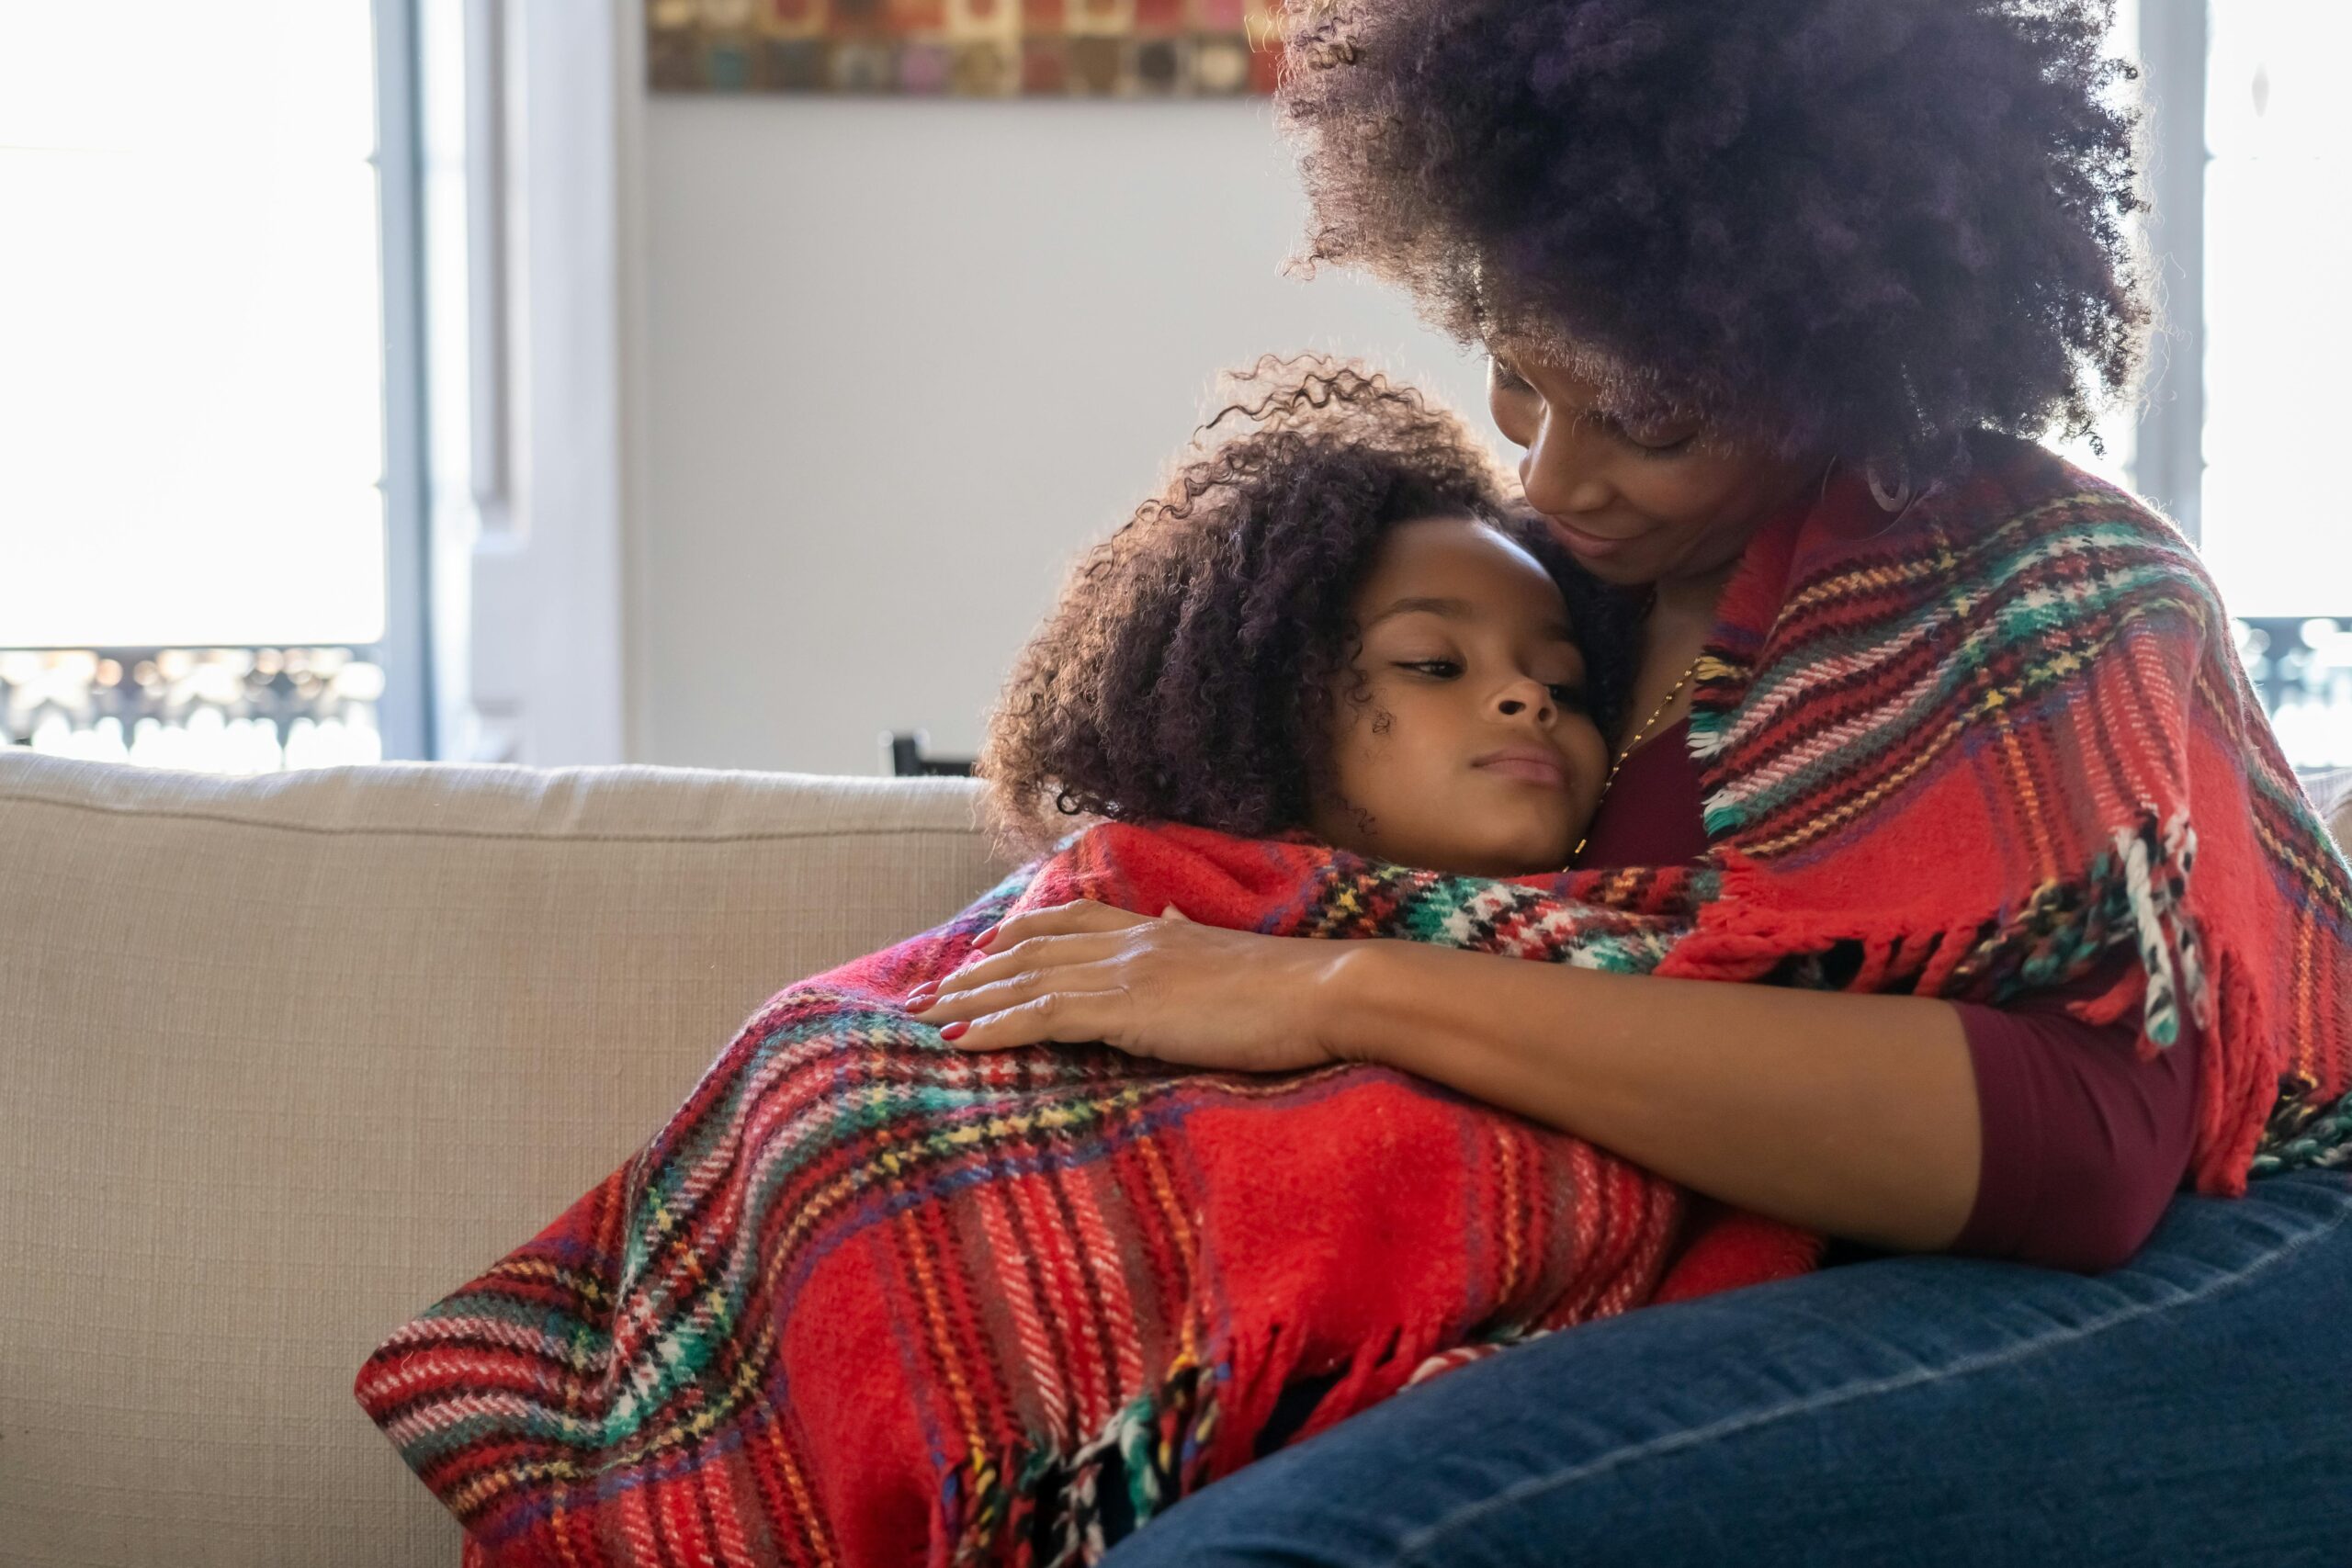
column 245, row 710
column 230, row 710
column 2304, row 669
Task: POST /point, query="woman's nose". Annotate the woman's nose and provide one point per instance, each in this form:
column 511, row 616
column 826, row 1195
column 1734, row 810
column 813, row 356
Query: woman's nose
column 1556, row 477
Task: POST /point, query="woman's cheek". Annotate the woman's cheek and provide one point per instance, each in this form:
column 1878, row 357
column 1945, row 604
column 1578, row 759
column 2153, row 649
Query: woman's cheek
column 1671, row 492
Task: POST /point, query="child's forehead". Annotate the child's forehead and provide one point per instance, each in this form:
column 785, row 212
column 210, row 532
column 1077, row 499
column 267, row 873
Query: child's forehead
column 1461, row 569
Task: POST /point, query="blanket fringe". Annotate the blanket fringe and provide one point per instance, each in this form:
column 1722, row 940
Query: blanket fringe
column 2305, row 1137
column 2155, row 878
column 2139, row 890
column 1041, row 1506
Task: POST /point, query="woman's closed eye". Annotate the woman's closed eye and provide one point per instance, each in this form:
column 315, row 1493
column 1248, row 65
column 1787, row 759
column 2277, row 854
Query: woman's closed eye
column 1650, row 441
column 1648, row 444
column 1666, row 448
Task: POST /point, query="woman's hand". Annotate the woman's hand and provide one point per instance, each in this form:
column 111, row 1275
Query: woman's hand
column 1196, row 996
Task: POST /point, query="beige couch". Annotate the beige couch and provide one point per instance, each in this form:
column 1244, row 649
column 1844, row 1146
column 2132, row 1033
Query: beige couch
column 283, row 1059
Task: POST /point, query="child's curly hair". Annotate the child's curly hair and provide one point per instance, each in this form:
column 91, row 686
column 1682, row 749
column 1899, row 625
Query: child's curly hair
column 1863, row 226
column 1186, row 674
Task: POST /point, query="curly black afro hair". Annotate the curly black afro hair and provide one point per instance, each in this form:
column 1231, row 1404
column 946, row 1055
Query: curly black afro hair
column 1866, row 226
column 1186, row 676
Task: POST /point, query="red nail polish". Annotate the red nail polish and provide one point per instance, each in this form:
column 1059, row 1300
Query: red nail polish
column 955, row 1031
column 982, row 939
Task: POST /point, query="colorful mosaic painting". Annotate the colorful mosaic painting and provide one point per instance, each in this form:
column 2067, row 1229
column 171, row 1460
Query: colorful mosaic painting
column 981, row 49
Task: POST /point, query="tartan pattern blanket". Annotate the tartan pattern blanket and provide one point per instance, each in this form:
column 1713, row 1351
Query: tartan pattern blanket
column 1970, row 753
column 866, row 1299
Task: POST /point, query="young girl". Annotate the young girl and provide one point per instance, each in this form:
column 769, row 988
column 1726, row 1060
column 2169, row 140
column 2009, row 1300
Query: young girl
column 1334, row 621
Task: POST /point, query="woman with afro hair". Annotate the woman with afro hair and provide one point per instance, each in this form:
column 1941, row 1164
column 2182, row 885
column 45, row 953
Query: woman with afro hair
column 1780, row 295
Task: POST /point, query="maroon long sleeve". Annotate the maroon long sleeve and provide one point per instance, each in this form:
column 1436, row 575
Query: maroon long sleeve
column 2084, row 1144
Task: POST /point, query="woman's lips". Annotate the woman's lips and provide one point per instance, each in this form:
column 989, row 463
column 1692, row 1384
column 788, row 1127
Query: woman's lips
column 1591, row 546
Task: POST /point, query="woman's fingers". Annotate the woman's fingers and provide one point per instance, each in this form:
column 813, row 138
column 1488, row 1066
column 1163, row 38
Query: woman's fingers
column 1161, row 989
column 1064, row 1018
column 1027, row 941
column 966, row 1001
column 1058, row 919
column 1048, row 976
column 1015, row 974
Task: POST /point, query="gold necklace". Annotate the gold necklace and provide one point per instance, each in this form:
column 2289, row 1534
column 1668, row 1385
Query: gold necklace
column 1635, row 744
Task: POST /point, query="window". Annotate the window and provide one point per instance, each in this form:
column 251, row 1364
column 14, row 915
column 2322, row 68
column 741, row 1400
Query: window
column 2278, row 532
column 208, row 427
column 2251, row 150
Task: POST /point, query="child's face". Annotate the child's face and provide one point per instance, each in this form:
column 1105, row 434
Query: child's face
column 1473, row 752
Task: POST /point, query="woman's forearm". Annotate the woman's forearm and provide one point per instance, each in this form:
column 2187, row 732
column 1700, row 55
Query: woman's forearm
column 1855, row 1115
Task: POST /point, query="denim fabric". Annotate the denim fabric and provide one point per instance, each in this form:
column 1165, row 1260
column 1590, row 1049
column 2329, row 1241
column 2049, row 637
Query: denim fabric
column 2189, row 1407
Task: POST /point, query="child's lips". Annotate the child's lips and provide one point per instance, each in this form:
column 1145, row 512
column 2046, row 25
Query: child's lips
column 1526, row 765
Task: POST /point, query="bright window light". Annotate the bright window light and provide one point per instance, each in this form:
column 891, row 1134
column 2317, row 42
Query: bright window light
column 190, row 325
column 2278, row 527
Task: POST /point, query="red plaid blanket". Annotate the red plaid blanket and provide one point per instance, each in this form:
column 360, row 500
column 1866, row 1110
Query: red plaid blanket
column 866, row 1299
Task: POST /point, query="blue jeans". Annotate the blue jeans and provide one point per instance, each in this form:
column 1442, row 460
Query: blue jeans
column 2194, row 1406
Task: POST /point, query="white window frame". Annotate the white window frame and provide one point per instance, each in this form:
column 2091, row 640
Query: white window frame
column 2168, row 458
column 404, row 714
column 533, row 632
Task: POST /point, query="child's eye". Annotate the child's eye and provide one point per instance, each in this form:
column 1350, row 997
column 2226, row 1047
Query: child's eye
column 1572, row 699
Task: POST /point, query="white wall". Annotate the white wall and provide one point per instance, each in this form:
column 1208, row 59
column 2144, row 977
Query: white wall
column 901, row 361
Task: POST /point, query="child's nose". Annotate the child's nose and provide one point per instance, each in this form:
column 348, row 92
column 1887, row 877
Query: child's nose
column 1524, row 696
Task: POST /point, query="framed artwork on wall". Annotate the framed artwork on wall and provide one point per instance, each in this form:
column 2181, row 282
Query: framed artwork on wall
column 975, row 49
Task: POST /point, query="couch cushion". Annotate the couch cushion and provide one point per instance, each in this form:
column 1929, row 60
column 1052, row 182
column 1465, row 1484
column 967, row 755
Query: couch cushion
column 282, row 1060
